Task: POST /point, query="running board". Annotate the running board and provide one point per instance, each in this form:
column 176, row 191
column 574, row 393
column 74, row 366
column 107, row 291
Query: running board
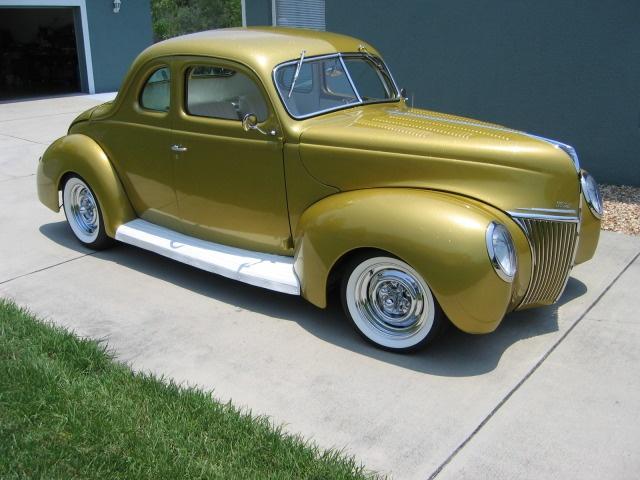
column 274, row 272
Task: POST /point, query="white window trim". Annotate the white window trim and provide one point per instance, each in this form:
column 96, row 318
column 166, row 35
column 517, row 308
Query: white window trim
column 274, row 13
column 243, row 6
column 83, row 20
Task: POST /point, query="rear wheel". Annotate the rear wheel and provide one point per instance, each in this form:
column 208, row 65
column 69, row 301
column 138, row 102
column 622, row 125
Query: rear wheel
column 389, row 303
column 83, row 214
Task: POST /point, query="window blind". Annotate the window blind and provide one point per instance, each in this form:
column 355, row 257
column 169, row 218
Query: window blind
column 300, row 14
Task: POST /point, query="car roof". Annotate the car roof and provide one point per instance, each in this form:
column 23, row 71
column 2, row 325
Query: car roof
column 261, row 48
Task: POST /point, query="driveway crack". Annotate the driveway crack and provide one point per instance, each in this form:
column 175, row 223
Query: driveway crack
column 533, row 369
column 24, row 139
column 46, row 268
column 40, row 116
column 16, row 177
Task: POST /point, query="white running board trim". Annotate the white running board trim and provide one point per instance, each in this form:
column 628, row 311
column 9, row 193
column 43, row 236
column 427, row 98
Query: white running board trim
column 274, row 272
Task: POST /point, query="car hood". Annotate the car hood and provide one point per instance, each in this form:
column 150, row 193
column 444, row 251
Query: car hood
column 393, row 146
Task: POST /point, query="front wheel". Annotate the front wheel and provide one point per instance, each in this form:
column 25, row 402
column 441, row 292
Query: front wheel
column 390, row 304
column 83, row 214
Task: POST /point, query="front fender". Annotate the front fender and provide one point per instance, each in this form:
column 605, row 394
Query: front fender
column 589, row 234
column 81, row 155
column 441, row 235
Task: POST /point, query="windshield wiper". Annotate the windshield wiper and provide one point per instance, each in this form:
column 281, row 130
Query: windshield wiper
column 295, row 75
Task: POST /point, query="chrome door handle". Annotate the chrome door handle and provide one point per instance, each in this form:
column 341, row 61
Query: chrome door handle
column 178, row 148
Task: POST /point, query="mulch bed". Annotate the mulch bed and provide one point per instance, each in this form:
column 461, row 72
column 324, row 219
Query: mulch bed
column 621, row 208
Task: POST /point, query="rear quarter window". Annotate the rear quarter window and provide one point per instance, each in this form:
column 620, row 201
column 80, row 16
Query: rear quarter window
column 156, row 93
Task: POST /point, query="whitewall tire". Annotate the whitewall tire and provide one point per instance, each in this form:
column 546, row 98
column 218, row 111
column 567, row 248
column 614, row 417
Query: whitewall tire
column 83, row 213
column 389, row 303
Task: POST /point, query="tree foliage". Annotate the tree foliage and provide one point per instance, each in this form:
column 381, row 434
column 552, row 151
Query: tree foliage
column 178, row 17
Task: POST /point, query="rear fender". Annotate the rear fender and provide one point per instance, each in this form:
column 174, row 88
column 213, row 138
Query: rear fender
column 81, row 155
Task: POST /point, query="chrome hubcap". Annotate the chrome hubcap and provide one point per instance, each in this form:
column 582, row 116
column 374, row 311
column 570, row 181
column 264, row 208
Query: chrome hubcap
column 391, row 299
column 83, row 209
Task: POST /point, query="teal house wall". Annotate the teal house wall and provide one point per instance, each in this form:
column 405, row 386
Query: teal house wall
column 564, row 69
column 257, row 12
column 116, row 39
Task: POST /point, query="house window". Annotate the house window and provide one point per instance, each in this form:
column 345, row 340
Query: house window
column 299, row 14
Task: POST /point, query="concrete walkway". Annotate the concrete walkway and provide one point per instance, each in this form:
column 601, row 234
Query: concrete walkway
column 554, row 393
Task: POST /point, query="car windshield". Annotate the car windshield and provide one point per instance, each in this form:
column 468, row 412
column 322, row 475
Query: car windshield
column 310, row 86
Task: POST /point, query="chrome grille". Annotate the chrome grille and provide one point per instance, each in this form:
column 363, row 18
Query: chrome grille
column 553, row 245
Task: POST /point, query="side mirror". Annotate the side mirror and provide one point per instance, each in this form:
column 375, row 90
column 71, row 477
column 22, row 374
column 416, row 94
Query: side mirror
column 250, row 122
column 403, row 93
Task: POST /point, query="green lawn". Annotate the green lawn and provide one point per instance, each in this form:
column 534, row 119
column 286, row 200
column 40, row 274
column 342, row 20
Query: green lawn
column 67, row 410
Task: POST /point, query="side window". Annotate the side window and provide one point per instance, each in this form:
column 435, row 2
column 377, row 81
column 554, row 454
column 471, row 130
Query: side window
column 219, row 92
column 156, row 94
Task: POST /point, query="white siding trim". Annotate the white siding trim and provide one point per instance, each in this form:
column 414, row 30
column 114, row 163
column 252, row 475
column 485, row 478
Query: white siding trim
column 274, row 13
column 83, row 20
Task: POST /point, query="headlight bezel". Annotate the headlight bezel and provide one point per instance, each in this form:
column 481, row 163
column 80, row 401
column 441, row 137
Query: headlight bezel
column 505, row 273
column 591, row 193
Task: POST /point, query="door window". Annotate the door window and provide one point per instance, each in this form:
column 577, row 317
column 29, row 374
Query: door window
column 219, row 92
column 156, row 94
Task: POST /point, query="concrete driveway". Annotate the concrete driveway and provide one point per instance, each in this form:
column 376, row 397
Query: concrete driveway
column 554, row 393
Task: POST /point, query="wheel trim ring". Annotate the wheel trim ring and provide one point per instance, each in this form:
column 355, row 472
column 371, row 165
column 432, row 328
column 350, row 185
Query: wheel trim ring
column 404, row 288
column 84, row 209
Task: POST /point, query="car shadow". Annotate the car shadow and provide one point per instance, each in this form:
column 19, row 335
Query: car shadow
column 454, row 354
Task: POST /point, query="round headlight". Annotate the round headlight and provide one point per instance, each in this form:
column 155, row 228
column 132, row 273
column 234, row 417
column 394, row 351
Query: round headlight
column 591, row 193
column 502, row 252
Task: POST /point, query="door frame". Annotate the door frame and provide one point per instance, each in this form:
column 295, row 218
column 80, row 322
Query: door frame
column 84, row 24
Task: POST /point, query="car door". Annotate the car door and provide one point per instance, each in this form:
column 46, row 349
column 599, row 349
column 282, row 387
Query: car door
column 229, row 182
column 138, row 141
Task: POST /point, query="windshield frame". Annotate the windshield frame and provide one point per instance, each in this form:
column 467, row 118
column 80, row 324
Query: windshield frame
column 340, row 55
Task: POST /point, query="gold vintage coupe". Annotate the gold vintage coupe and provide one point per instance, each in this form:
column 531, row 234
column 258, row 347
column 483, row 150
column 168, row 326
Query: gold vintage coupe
column 289, row 159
